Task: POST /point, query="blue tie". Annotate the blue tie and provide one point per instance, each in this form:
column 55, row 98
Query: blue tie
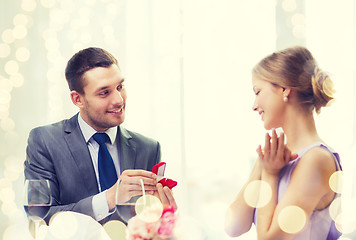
column 106, row 167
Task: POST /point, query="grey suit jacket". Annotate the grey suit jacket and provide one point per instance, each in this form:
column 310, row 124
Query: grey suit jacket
column 59, row 153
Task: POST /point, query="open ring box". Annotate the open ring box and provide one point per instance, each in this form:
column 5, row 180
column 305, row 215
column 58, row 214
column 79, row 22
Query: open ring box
column 159, row 169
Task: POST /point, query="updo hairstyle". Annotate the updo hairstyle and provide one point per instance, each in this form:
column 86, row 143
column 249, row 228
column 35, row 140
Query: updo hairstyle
column 296, row 68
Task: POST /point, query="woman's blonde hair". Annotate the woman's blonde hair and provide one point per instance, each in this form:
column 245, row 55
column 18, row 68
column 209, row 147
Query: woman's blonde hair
column 297, row 69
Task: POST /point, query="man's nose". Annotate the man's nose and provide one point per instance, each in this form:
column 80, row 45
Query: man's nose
column 118, row 99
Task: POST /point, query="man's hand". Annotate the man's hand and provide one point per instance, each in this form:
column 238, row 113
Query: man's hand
column 166, row 196
column 130, row 186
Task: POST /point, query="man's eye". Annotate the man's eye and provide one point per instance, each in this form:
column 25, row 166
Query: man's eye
column 103, row 93
column 121, row 86
column 257, row 92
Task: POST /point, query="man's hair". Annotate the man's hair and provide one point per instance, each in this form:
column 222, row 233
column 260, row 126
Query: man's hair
column 83, row 61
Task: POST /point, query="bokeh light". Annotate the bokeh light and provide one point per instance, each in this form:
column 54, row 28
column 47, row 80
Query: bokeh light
column 63, row 225
column 336, row 181
column 4, row 111
column 48, row 3
column 13, row 232
column 9, row 208
column 28, row 5
column 345, row 222
column 289, row 5
column 292, row 219
column 298, row 19
column 5, row 96
column 20, row 19
column 5, row 50
column 12, row 172
column 115, row 229
column 335, row 208
column 7, row 124
column 22, row 54
column 5, row 183
column 149, row 208
column 19, row 32
column 11, row 67
column 67, row 5
column 7, row 194
column 5, row 85
column 258, row 193
column 8, row 36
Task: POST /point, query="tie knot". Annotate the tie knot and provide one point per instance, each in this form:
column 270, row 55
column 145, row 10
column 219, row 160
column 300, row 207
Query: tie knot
column 100, row 138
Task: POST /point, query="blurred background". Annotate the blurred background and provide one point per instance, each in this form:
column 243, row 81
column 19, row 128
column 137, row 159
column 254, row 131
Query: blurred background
column 187, row 65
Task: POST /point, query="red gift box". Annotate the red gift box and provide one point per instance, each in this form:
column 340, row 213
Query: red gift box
column 159, row 169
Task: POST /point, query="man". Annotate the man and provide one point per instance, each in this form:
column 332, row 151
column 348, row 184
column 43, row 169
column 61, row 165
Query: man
column 83, row 171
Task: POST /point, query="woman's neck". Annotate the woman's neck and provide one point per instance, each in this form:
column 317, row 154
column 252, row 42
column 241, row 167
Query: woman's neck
column 300, row 130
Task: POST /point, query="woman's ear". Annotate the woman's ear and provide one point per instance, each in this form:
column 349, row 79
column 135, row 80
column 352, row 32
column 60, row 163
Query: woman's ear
column 76, row 98
column 286, row 92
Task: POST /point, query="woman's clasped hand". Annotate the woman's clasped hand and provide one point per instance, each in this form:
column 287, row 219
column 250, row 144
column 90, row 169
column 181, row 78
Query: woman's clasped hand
column 275, row 154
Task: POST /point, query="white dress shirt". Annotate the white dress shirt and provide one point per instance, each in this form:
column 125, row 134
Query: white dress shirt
column 99, row 202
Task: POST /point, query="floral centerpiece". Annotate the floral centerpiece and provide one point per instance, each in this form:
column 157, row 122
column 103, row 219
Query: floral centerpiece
column 162, row 229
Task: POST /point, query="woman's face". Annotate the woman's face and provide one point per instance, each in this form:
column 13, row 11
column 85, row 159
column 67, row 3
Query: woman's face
column 269, row 103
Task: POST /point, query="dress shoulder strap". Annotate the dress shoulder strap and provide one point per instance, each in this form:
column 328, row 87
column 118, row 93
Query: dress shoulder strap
column 326, row 147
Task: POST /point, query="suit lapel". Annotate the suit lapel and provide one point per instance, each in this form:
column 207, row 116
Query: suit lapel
column 80, row 152
column 127, row 150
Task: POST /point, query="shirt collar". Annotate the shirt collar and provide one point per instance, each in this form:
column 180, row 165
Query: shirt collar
column 88, row 131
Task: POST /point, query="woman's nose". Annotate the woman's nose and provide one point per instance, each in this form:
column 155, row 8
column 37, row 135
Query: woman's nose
column 254, row 106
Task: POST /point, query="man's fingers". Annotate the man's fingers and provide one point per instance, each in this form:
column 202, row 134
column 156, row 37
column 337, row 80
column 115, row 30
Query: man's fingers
column 138, row 173
column 137, row 180
column 171, row 200
column 162, row 194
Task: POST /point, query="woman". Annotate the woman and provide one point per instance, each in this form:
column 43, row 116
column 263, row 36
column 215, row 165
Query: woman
column 289, row 86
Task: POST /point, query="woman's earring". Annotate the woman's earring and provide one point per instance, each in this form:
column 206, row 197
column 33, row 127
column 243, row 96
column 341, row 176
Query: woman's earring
column 285, row 99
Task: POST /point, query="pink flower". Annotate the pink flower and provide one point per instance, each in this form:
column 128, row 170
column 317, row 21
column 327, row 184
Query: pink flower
column 167, row 223
column 137, row 229
column 140, row 230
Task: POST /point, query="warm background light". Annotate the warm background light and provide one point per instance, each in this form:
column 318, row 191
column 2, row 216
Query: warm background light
column 292, row 219
column 258, row 194
column 335, row 208
column 115, row 229
column 336, row 181
column 149, row 208
column 63, row 225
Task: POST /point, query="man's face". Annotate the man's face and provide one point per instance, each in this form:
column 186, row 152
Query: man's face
column 104, row 99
